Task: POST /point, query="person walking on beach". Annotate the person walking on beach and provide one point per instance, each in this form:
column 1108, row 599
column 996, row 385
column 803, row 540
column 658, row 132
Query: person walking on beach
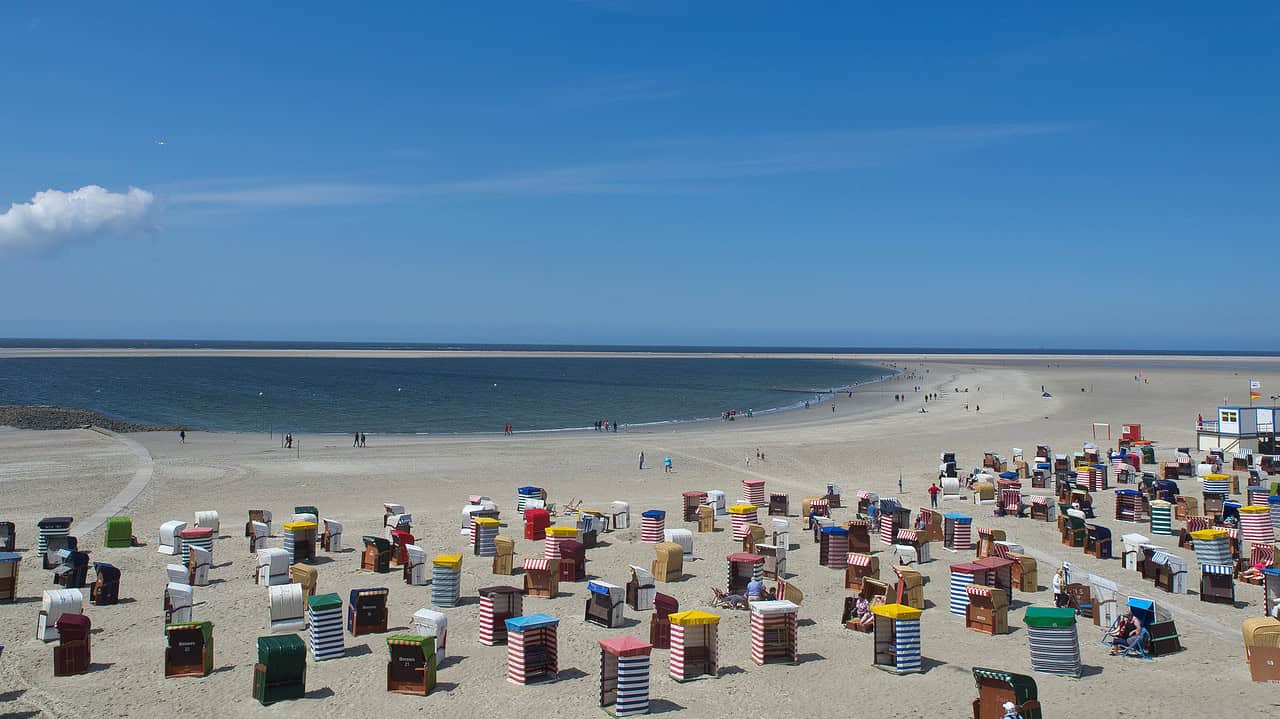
column 363, row 438
column 642, row 459
column 934, row 489
column 355, row 442
column 182, row 436
column 666, row 465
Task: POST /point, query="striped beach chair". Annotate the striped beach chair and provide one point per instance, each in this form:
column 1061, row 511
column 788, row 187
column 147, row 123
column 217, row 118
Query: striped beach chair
column 624, row 675
column 897, row 638
column 324, row 617
column 1053, row 640
column 961, row 577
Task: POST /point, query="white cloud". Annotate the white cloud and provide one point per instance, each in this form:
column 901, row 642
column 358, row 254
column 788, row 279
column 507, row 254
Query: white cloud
column 53, row 217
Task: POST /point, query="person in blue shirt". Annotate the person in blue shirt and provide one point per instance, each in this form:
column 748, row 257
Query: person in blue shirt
column 755, row 590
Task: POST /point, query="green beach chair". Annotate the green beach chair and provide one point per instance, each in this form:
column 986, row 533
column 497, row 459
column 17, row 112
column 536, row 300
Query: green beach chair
column 281, row 671
column 119, row 532
column 412, row 667
column 996, row 687
column 1073, row 534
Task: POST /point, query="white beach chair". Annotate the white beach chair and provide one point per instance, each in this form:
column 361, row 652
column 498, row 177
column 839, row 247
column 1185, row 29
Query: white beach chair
column 198, row 568
column 1013, row 547
column 288, row 609
column 170, row 543
column 781, row 532
column 273, row 567
column 178, row 599
column 208, row 519
column 54, row 604
column 430, row 623
column 415, row 573
column 683, row 537
column 620, row 515
column 333, row 532
column 644, row 588
column 951, row 488
column 716, row 499
column 261, row 531
column 905, row 554
column 177, row 573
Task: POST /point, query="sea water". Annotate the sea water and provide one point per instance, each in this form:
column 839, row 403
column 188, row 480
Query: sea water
column 412, row 395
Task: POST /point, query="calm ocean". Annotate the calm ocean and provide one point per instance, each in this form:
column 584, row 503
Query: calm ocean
column 418, row 395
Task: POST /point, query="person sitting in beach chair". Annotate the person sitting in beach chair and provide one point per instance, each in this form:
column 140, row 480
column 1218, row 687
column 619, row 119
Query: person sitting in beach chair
column 724, row 600
column 1126, row 635
column 1085, row 504
column 864, row 620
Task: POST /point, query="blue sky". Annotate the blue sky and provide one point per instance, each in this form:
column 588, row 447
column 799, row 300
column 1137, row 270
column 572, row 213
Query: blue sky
column 618, row 171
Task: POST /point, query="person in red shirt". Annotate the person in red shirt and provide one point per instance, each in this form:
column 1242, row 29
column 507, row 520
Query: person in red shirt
column 934, row 490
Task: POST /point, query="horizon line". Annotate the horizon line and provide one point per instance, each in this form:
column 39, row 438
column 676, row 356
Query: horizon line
column 187, row 345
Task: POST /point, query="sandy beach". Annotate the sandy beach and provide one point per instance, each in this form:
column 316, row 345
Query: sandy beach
column 867, row 443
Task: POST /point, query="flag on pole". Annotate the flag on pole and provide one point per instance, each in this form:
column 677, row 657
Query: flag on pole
column 1255, row 384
